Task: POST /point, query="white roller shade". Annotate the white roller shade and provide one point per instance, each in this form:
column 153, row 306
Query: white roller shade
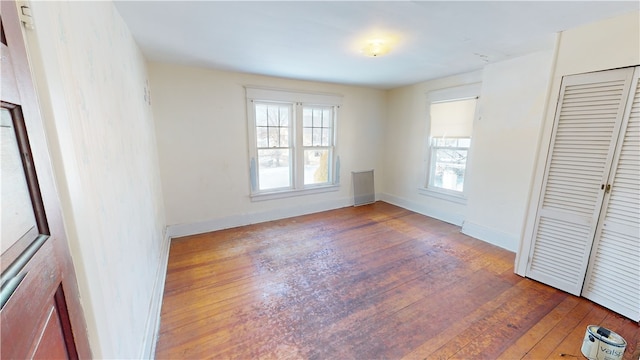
column 452, row 119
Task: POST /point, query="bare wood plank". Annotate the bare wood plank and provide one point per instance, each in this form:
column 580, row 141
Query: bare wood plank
column 524, row 344
column 375, row 281
column 546, row 346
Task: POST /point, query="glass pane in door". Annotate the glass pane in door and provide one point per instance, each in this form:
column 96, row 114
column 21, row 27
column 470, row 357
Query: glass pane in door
column 17, row 212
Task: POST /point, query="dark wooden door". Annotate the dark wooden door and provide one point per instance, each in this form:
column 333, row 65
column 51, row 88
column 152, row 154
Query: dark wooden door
column 40, row 313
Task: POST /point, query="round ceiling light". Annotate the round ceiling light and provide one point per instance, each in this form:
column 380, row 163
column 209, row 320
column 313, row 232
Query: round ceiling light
column 376, row 47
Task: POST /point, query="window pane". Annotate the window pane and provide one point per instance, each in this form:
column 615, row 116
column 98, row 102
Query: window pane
column 262, row 135
column 293, row 141
column 464, row 143
column 272, row 125
column 449, row 168
column 272, row 116
column 284, row 137
column 318, row 126
column 283, row 115
column 317, row 117
column 274, row 169
column 327, row 117
column 317, row 136
column 307, row 116
column 307, row 137
column 261, row 115
column 274, row 137
column 325, row 137
column 450, row 142
column 316, row 166
column 16, row 207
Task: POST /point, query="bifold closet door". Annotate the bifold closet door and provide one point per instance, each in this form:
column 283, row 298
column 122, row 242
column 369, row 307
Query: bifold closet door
column 587, row 123
column 613, row 275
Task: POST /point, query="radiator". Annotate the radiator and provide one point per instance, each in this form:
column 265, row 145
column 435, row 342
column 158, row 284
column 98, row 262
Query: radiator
column 363, row 189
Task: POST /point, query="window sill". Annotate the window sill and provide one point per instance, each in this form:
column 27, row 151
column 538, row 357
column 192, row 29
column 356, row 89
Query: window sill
column 444, row 195
column 291, row 193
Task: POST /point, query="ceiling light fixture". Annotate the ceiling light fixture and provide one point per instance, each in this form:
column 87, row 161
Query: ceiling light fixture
column 376, row 47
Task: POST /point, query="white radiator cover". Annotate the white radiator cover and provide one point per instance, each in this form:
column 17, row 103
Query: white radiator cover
column 363, row 188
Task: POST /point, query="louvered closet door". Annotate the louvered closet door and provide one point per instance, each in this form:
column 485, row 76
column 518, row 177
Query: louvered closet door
column 613, row 276
column 588, row 118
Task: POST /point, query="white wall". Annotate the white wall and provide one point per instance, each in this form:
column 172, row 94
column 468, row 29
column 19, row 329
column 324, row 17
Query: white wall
column 201, row 128
column 91, row 80
column 504, row 146
column 502, row 154
column 405, row 146
column 602, row 45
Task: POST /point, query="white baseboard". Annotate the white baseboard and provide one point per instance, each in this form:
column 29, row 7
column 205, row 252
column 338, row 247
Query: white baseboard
column 492, row 236
column 231, row 221
column 153, row 319
column 455, row 219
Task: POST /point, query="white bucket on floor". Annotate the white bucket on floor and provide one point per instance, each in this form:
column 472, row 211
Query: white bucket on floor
column 602, row 344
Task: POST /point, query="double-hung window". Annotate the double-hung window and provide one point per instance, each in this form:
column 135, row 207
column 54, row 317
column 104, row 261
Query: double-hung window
column 318, row 129
column 291, row 142
column 448, row 162
column 274, row 145
column 451, row 114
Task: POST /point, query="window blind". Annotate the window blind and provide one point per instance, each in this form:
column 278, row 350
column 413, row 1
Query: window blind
column 452, row 119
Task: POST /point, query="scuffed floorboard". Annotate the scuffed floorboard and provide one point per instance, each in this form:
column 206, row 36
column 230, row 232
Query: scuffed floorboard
column 369, row 282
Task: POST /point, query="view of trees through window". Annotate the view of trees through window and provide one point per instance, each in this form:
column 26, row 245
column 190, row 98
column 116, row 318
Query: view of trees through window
column 276, row 150
column 451, row 114
column 450, row 158
column 317, row 137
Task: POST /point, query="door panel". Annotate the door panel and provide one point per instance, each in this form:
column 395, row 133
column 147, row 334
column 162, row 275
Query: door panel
column 26, row 313
column 613, row 275
column 588, row 120
column 51, row 344
column 40, row 311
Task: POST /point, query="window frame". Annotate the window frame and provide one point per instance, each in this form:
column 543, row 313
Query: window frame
column 298, row 101
column 471, row 91
column 329, row 147
column 279, row 147
column 432, row 169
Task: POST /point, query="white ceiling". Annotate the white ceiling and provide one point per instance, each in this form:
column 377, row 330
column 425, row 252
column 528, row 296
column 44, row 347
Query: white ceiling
column 321, row 40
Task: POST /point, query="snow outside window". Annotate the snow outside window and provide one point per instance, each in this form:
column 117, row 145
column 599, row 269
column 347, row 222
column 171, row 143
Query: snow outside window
column 451, row 123
column 291, row 142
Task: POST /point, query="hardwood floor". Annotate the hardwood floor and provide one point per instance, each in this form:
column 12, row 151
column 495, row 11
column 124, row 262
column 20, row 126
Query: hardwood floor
column 370, row 282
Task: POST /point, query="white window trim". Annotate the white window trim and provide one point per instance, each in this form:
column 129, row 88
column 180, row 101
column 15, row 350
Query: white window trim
column 444, row 194
column 298, row 99
column 281, row 194
column 448, row 94
column 454, row 93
